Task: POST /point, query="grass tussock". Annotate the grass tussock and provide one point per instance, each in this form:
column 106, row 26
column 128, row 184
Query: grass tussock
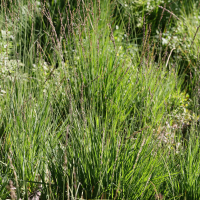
column 97, row 102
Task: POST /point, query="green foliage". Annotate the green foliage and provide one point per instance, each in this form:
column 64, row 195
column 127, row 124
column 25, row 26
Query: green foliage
column 86, row 111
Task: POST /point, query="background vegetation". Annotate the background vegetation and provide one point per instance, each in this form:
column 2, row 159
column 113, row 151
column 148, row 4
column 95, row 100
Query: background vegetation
column 99, row 99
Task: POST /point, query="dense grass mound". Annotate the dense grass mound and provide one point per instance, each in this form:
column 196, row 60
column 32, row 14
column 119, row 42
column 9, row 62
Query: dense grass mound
column 99, row 100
